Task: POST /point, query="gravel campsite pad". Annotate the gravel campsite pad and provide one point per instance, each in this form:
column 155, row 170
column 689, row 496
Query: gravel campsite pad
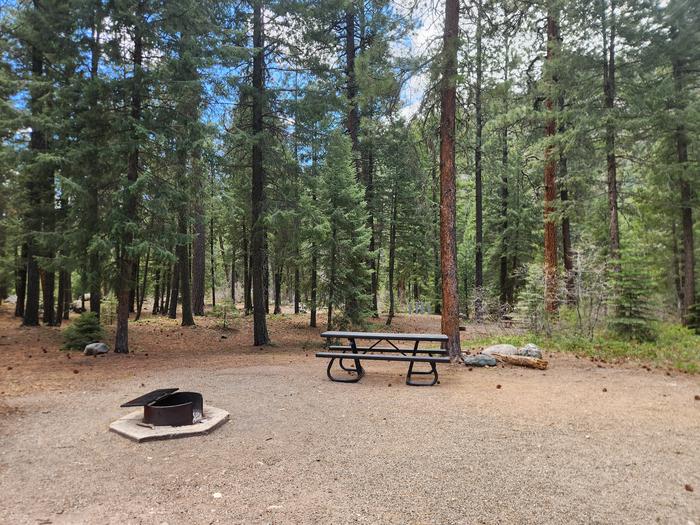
column 578, row 443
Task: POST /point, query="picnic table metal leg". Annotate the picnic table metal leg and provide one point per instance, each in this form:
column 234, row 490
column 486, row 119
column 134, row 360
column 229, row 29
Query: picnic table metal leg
column 411, row 373
column 357, row 369
column 359, row 372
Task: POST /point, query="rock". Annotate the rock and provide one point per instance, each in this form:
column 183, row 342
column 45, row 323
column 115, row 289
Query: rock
column 96, row 349
column 479, row 360
column 530, row 350
column 500, row 349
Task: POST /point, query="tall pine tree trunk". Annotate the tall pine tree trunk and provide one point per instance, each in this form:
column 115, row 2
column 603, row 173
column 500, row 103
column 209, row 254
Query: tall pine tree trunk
column 183, row 263
column 68, row 289
column 61, row 303
column 174, row 289
column 568, row 256
column 437, row 289
column 21, row 280
column 448, row 183
column 37, row 145
column 297, row 290
column 278, row 289
column 93, row 211
column 198, row 256
column 503, row 278
column 331, row 280
column 167, row 285
column 353, row 114
column 133, row 293
column 258, row 244
column 156, row 291
column 369, row 198
column 550, row 169
column 478, row 185
column 142, row 294
column 121, row 344
column 392, row 256
column 247, row 282
column 690, row 312
column 610, row 130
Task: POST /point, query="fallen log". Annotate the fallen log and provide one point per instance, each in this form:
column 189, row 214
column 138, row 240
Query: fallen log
column 521, row 360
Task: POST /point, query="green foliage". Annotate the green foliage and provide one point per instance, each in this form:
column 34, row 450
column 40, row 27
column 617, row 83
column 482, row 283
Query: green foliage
column 675, row 347
column 82, row 331
column 346, row 237
column 632, row 317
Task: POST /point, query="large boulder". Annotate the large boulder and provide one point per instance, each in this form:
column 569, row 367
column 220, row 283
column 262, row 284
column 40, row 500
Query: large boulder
column 500, row 349
column 96, row 349
column 479, row 360
column 530, row 350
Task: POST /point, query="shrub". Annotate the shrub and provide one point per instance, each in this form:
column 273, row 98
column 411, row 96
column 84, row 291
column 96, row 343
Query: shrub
column 84, row 330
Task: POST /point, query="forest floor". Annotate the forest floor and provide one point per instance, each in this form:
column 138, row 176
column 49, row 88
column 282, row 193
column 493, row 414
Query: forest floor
column 583, row 442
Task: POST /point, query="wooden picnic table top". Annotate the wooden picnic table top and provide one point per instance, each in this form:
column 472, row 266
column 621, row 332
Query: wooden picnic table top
column 384, row 335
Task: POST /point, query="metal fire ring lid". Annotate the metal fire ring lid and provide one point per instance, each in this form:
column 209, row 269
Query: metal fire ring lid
column 149, row 398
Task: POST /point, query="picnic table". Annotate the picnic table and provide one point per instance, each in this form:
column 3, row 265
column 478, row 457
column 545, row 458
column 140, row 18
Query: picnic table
column 372, row 350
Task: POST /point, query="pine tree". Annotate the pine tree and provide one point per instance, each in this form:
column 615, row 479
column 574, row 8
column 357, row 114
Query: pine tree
column 346, row 243
column 633, row 316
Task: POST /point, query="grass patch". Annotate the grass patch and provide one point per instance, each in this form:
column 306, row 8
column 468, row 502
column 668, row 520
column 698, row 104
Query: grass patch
column 676, row 346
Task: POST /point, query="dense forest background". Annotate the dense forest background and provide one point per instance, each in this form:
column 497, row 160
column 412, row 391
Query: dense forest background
column 171, row 155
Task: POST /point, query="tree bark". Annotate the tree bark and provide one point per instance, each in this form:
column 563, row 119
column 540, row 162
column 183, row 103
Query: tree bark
column 133, row 293
column 392, row 256
column 121, row 344
column 550, row 187
column 278, row 289
column 369, row 199
column 21, row 280
column 437, row 289
column 567, row 252
column 503, row 278
column 67, row 297
column 156, row 291
column 258, row 244
column 478, row 185
column 331, row 280
column 297, row 290
column 690, row 312
column 198, row 262
column 448, row 184
column 610, row 131
column 183, row 263
column 174, row 289
column 37, row 145
column 167, row 285
column 353, row 114
column 142, row 294
column 247, row 282
column 213, row 267
column 61, row 303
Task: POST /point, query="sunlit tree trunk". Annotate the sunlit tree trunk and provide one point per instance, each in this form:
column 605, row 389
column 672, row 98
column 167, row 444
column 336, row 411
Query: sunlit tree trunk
column 448, row 183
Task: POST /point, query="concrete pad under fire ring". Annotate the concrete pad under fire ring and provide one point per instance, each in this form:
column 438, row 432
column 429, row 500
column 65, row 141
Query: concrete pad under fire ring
column 133, row 427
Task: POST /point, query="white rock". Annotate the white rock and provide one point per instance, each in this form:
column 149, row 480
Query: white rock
column 530, row 350
column 500, row 349
column 217, row 495
column 96, row 349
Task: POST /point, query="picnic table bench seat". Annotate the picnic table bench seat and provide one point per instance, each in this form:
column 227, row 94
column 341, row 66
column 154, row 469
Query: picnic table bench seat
column 372, row 352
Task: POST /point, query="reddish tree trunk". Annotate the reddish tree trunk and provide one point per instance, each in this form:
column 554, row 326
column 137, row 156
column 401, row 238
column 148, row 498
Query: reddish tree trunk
column 448, row 184
column 550, row 187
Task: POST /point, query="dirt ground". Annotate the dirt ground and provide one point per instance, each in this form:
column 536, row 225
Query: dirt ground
column 583, row 442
